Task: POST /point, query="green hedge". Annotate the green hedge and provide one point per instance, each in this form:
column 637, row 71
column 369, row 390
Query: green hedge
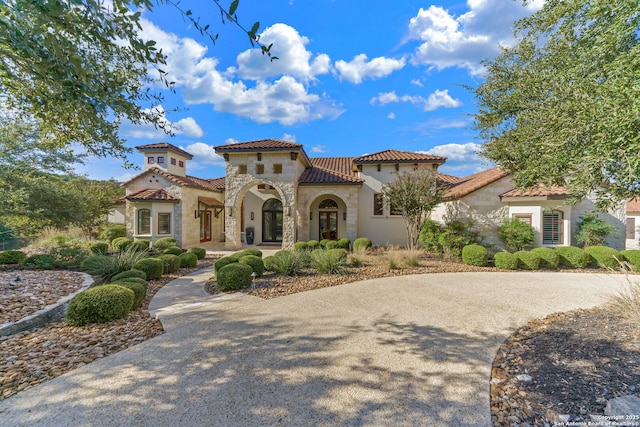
column 172, row 260
column 153, row 267
column 313, row 244
column 344, row 243
column 234, row 276
column 99, row 304
column 527, row 260
column 99, row 248
column 548, row 257
column 164, row 243
column 572, row 257
column 255, row 262
column 332, row 244
column 268, row 262
column 604, row 256
column 300, row 246
column 505, row 260
column 139, row 290
column 130, row 273
column 12, row 257
column 361, row 242
column 223, row 261
column 475, row 255
column 199, row 252
column 324, row 242
column 188, row 260
column 173, row 250
column 632, row 256
column 120, row 243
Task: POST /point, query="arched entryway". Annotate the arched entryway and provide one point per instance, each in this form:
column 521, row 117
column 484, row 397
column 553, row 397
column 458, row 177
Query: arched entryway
column 328, row 219
column 272, row 220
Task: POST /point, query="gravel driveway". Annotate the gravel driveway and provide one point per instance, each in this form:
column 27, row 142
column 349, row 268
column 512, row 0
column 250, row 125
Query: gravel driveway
column 411, row 350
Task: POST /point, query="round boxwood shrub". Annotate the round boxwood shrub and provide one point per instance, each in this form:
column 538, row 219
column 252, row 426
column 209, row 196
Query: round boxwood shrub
column 324, row 242
column 99, row 304
column 139, row 246
column 153, row 267
column 632, row 256
column 234, row 276
column 268, row 263
column 199, row 252
column 172, row 260
column 313, row 244
column 475, row 255
column 139, row 290
column 120, row 243
column 505, row 260
column 253, row 251
column 43, row 262
column 344, row 243
column 12, row 257
column 338, row 253
column 548, row 257
column 255, row 262
column 332, row 244
column 361, row 242
column 99, row 248
column 223, row 261
column 188, row 260
column 130, row 273
column 300, row 246
column 604, row 256
column 173, row 250
column 527, row 260
column 132, row 280
column 163, row 243
column 572, row 256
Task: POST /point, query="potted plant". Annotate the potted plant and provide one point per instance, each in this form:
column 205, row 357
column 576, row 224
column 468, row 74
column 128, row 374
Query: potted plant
column 249, row 233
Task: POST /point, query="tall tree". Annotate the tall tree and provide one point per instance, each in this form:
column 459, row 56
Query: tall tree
column 414, row 195
column 561, row 106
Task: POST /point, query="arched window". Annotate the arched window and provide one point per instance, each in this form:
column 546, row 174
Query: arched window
column 144, row 221
column 328, row 204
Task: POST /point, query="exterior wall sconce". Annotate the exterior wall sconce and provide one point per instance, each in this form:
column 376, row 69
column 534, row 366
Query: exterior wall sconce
column 251, row 216
column 344, row 216
column 379, row 167
column 289, row 210
column 230, row 211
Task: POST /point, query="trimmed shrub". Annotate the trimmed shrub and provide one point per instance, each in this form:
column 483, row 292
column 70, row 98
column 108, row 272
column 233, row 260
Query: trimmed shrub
column 573, row 257
column 131, row 280
column 361, row 242
column 548, row 257
column 234, row 276
column 139, row 291
column 164, row 243
column 199, row 252
column 250, row 251
column 99, row 304
column 301, row 246
column 173, row 250
column 39, row 262
column 604, row 257
column 113, row 231
column 153, row 267
column 287, row 263
column 12, row 257
column 344, row 243
column 255, row 262
column 332, row 244
column 222, row 262
column 527, row 260
column 505, row 260
column 130, row 273
column 332, row 261
column 516, row 235
column 99, row 248
column 120, row 243
column 448, row 238
column 188, row 260
column 267, row 261
column 172, row 260
column 313, row 244
column 140, row 245
column 475, row 255
column 631, row 256
column 324, row 242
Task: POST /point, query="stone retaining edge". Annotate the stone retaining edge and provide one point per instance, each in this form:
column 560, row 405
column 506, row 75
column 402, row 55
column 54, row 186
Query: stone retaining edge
column 50, row 313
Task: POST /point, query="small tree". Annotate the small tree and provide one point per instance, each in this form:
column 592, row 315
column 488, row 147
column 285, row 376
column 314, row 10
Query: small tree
column 516, row 235
column 593, row 230
column 414, row 195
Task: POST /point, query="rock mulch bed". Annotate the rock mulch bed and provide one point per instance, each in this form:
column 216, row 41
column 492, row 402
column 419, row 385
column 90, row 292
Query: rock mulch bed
column 34, row 291
column 32, row 357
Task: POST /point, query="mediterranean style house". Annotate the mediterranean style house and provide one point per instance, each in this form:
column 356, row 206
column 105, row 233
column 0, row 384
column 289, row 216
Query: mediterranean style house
column 274, row 194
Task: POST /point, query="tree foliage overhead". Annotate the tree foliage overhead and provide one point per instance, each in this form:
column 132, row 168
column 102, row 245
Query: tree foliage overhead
column 562, row 106
column 414, row 195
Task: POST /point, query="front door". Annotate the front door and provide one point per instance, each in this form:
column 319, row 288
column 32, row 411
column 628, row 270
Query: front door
column 205, row 226
column 328, row 225
column 272, row 221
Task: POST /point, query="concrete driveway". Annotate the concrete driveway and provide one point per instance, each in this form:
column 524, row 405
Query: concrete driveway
column 403, row 351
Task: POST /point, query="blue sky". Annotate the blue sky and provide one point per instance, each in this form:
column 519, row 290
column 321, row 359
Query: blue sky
column 354, row 77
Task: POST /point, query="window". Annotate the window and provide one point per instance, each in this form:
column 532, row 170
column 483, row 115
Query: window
column 242, row 169
column 394, row 211
column 160, row 159
column 277, row 168
column 164, row 223
column 173, row 161
column 378, row 204
column 552, row 227
column 144, row 221
column 328, row 204
column 631, row 228
column 150, row 160
column 180, row 163
column 259, row 169
column 526, row 218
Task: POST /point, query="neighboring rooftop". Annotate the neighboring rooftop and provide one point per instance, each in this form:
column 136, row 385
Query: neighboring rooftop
column 397, row 156
column 541, row 190
column 152, row 195
column 187, row 181
column 261, row 145
column 470, row 183
column 163, row 146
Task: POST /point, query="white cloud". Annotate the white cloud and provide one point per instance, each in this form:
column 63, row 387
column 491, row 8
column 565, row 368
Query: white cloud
column 319, row 149
column 391, row 116
column 417, row 82
column 289, row 137
column 462, row 159
column 438, row 99
column 463, row 41
column 186, row 126
column 293, row 57
column 360, row 69
column 203, row 156
column 231, row 141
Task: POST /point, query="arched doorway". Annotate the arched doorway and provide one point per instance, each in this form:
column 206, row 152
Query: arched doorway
column 272, row 216
column 328, row 219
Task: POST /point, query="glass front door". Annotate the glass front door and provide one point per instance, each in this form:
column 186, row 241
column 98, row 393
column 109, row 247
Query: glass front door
column 205, row 226
column 328, row 225
column 272, row 219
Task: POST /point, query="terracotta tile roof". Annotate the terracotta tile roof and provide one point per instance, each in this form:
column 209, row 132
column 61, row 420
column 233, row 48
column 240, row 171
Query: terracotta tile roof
column 633, row 205
column 263, row 144
column 210, row 202
column 152, row 195
column 218, row 183
column 187, row 181
column 397, row 156
column 330, row 170
column 445, row 179
column 162, row 146
column 474, row 182
column 541, row 190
